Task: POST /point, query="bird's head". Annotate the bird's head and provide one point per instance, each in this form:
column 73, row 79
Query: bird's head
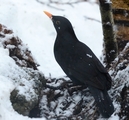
column 61, row 24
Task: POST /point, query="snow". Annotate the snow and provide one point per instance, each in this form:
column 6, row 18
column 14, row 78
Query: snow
column 35, row 29
column 108, row 1
column 8, row 69
column 6, row 110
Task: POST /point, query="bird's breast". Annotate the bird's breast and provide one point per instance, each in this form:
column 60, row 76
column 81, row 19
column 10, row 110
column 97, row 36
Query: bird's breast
column 64, row 53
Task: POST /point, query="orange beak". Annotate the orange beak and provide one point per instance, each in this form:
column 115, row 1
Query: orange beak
column 48, row 14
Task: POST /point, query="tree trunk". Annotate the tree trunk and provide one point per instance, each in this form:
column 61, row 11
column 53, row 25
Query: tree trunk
column 110, row 44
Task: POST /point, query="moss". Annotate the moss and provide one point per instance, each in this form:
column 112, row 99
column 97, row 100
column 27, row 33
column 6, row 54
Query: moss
column 121, row 17
column 126, row 2
column 123, row 32
column 121, row 4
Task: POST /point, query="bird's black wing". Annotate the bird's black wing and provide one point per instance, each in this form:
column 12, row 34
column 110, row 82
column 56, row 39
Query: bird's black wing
column 87, row 68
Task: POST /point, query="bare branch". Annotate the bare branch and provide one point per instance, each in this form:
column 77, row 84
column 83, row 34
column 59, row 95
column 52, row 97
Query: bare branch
column 92, row 19
column 51, row 3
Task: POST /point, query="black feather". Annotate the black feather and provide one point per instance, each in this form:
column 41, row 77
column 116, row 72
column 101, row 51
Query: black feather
column 103, row 101
column 81, row 65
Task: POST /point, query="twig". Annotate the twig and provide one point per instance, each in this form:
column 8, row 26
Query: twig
column 61, row 3
column 55, row 7
column 92, row 19
column 40, row 2
column 69, row 3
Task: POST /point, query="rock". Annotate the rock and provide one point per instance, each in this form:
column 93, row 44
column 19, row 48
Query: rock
column 17, row 50
column 24, row 102
column 28, row 81
column 120, row 88
column 62, row 100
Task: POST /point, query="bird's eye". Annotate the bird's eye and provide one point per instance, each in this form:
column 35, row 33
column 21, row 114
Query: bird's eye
column 57, row 22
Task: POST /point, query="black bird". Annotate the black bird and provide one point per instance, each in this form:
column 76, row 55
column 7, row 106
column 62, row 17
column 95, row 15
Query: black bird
column 80, row 64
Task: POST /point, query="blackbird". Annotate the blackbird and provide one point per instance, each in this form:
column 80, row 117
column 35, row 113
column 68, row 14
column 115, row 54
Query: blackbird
column 81, row 65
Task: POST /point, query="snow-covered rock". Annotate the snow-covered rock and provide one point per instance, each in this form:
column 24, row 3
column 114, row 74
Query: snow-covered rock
column 18, row 66
column 120, row 87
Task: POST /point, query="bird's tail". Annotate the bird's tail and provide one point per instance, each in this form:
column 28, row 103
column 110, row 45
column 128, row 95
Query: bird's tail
column 103, row 102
